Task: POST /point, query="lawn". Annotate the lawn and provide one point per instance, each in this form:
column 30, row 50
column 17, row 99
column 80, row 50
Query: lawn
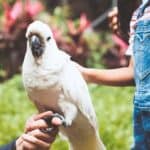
column 113, row 107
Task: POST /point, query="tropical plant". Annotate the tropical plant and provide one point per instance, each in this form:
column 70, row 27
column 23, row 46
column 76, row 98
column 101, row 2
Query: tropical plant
column 12, row 35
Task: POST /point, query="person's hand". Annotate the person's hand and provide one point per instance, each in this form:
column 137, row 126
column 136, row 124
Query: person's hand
column 113, row 20
column 34, row 138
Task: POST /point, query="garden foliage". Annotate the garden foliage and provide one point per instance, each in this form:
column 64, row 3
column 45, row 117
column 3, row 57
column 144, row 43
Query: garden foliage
column 113, row 107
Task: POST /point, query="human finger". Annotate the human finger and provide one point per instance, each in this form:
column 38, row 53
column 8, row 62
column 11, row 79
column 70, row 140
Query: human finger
column 35, row 141
column 29, row 146
column 48, row 137
column 56, row 121
column 38, row 124
column 42, row 115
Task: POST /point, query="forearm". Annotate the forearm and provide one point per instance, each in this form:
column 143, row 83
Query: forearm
column 113, row 77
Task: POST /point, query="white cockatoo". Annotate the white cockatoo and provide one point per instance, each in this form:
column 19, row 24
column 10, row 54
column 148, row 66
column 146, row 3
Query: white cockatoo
column 53, row 82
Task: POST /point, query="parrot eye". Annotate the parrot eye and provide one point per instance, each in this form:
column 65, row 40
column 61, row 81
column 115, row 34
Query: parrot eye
column 48, row 38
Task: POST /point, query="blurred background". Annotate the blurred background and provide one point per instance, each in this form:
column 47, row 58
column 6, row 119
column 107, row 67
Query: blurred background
column 95, row 33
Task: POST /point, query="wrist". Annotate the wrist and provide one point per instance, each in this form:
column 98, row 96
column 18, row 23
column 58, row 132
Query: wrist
column 17, row 144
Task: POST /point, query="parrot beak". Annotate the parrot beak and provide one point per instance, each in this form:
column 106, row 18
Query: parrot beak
column 36, row 45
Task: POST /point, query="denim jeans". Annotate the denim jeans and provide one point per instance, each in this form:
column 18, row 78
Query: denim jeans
column 141, row 115
column 141, row 129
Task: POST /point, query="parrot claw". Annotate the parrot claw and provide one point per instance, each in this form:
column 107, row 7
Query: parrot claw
column 67, row 122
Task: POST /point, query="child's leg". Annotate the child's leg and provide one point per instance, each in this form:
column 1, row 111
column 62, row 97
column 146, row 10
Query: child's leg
column 146, row 126
column 139, row 138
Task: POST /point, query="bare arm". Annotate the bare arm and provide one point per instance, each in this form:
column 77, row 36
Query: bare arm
column 114, row 77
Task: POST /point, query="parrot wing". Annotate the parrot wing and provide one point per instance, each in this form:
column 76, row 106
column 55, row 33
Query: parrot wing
column 75, row 87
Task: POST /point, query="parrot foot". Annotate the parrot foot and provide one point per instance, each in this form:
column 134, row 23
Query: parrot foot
column 69, row 111
column 67, row 122
column 51, row 127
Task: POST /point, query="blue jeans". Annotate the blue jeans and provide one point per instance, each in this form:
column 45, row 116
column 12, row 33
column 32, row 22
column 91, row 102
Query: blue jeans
column 141, row 115
column 141, row 129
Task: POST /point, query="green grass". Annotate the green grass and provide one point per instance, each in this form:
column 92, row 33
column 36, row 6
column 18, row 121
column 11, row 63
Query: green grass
column 113, row 107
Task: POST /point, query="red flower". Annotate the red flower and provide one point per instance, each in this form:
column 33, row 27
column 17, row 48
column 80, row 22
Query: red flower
column 28, row 8
column 33, row 8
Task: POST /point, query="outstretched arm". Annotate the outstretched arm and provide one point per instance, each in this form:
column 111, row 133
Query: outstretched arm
column 114, row 77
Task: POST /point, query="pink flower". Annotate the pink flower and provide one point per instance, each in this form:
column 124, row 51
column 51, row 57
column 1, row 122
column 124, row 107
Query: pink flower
column 33, row 8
